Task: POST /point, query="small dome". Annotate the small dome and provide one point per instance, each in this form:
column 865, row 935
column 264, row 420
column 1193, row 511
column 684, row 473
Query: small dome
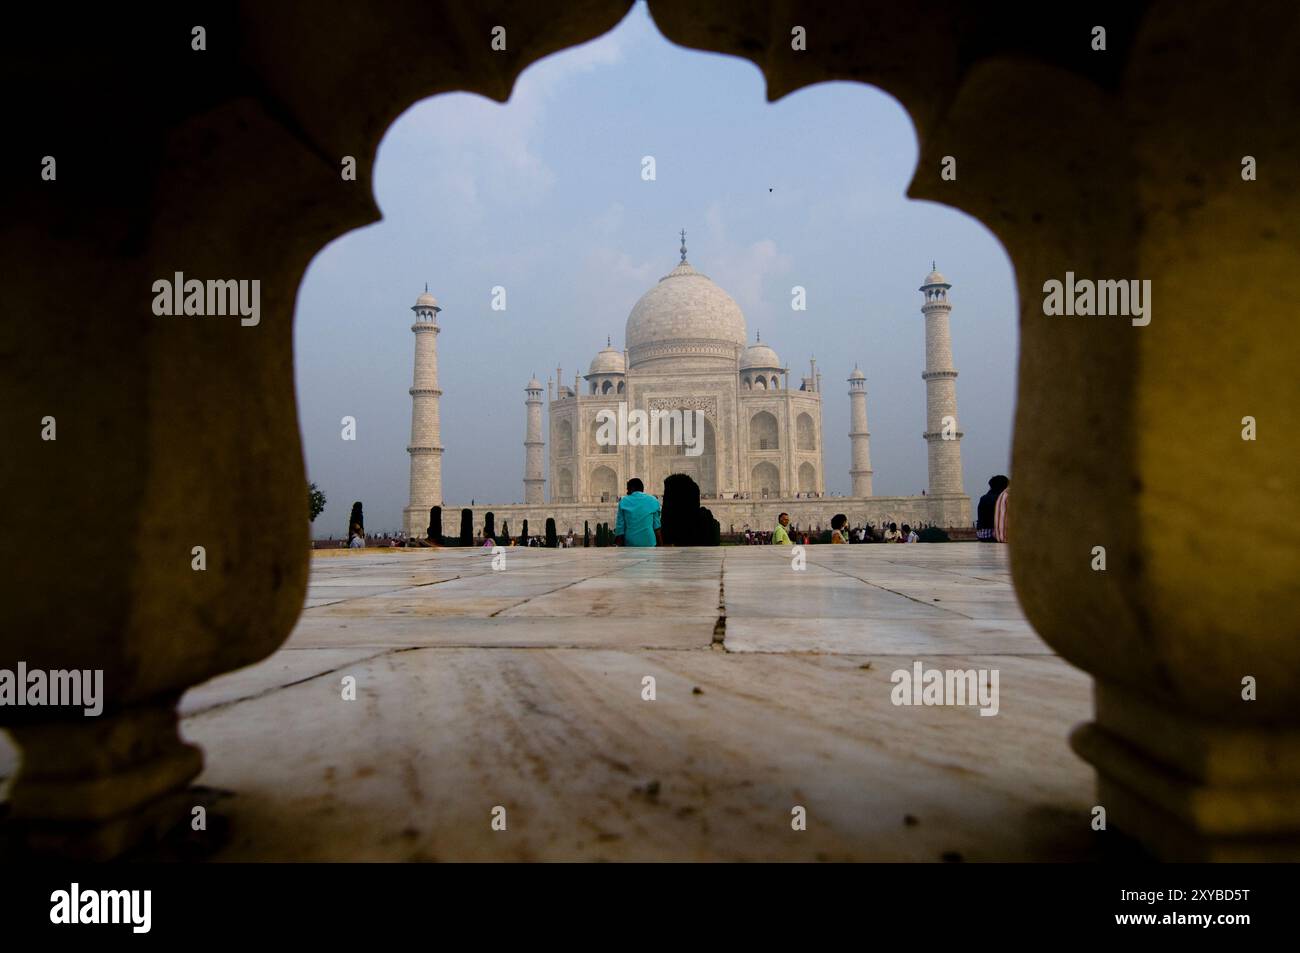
column 608, row 361
column 857, row 374
column 534, row 384
column 759, row 355
column 935, row 278
column 426, row 300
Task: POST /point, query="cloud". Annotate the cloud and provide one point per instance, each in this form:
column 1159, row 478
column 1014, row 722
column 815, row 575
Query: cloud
column 459, row 158
column 744, row 270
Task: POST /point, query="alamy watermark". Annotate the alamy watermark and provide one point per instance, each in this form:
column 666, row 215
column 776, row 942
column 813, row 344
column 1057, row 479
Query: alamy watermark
column 61, row 688
column 1084, row 296
column 654, row 428
column 180, row 296
column 922, row 686
column 130, row 907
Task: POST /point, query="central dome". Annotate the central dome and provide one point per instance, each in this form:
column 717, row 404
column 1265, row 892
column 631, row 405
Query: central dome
column 688, row 319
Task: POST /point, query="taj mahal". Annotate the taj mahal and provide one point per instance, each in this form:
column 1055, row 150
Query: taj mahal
column 760, row 453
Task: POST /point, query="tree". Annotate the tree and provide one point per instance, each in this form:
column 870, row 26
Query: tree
column 550, row 532
column 467, row 527
column 490, row 526
column 357, row 521
column 586, row 534
column 435, row 525
column 524, row 534
column 315, row 502
column 504, row 538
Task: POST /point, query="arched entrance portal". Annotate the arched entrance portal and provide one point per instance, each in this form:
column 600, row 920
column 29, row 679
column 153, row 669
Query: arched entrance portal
column 703, row 469
column 604, row 485
column 765, row 480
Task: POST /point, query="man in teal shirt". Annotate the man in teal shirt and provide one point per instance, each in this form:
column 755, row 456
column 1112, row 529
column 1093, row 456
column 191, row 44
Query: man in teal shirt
column 638, row 522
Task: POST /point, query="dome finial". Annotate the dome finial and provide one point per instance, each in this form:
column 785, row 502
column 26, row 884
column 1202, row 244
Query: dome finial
column 758, row 336
column 683, row 245
column 933, row 266
column 426, row 286
column 608, row 341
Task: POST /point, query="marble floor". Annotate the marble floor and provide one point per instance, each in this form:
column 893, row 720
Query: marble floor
column 522, row 688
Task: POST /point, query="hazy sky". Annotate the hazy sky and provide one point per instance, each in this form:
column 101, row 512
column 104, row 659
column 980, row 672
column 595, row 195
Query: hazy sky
column 543, row 195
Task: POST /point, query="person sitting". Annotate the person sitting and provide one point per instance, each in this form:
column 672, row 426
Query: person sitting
column 639, row 521
column 908, row 535
column 891, row 534
column 986, row 510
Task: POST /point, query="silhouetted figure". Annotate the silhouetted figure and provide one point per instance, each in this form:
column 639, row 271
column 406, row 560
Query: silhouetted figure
column 986, row 510
column 681, row 510
column 685, row 522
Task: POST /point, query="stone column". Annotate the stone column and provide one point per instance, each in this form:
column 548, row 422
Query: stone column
column 534, row 481
column 425, row 449
column 859, row 436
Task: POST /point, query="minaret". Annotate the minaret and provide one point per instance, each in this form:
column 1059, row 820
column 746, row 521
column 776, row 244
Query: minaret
column 859, row 437
column 425, row 449
column 534, row 480
column 940, row 390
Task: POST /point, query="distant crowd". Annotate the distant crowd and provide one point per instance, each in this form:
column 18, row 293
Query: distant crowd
column 840, row 532
column 640, row 522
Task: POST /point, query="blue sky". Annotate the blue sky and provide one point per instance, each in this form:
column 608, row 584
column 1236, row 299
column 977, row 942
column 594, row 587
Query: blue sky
column 543, row 195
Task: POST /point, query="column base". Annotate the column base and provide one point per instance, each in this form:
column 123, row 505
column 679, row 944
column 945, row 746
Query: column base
column 95, row 788
column 1189, row 789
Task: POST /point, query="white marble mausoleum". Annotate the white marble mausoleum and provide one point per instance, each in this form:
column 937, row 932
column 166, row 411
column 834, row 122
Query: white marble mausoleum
column 760, row 452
